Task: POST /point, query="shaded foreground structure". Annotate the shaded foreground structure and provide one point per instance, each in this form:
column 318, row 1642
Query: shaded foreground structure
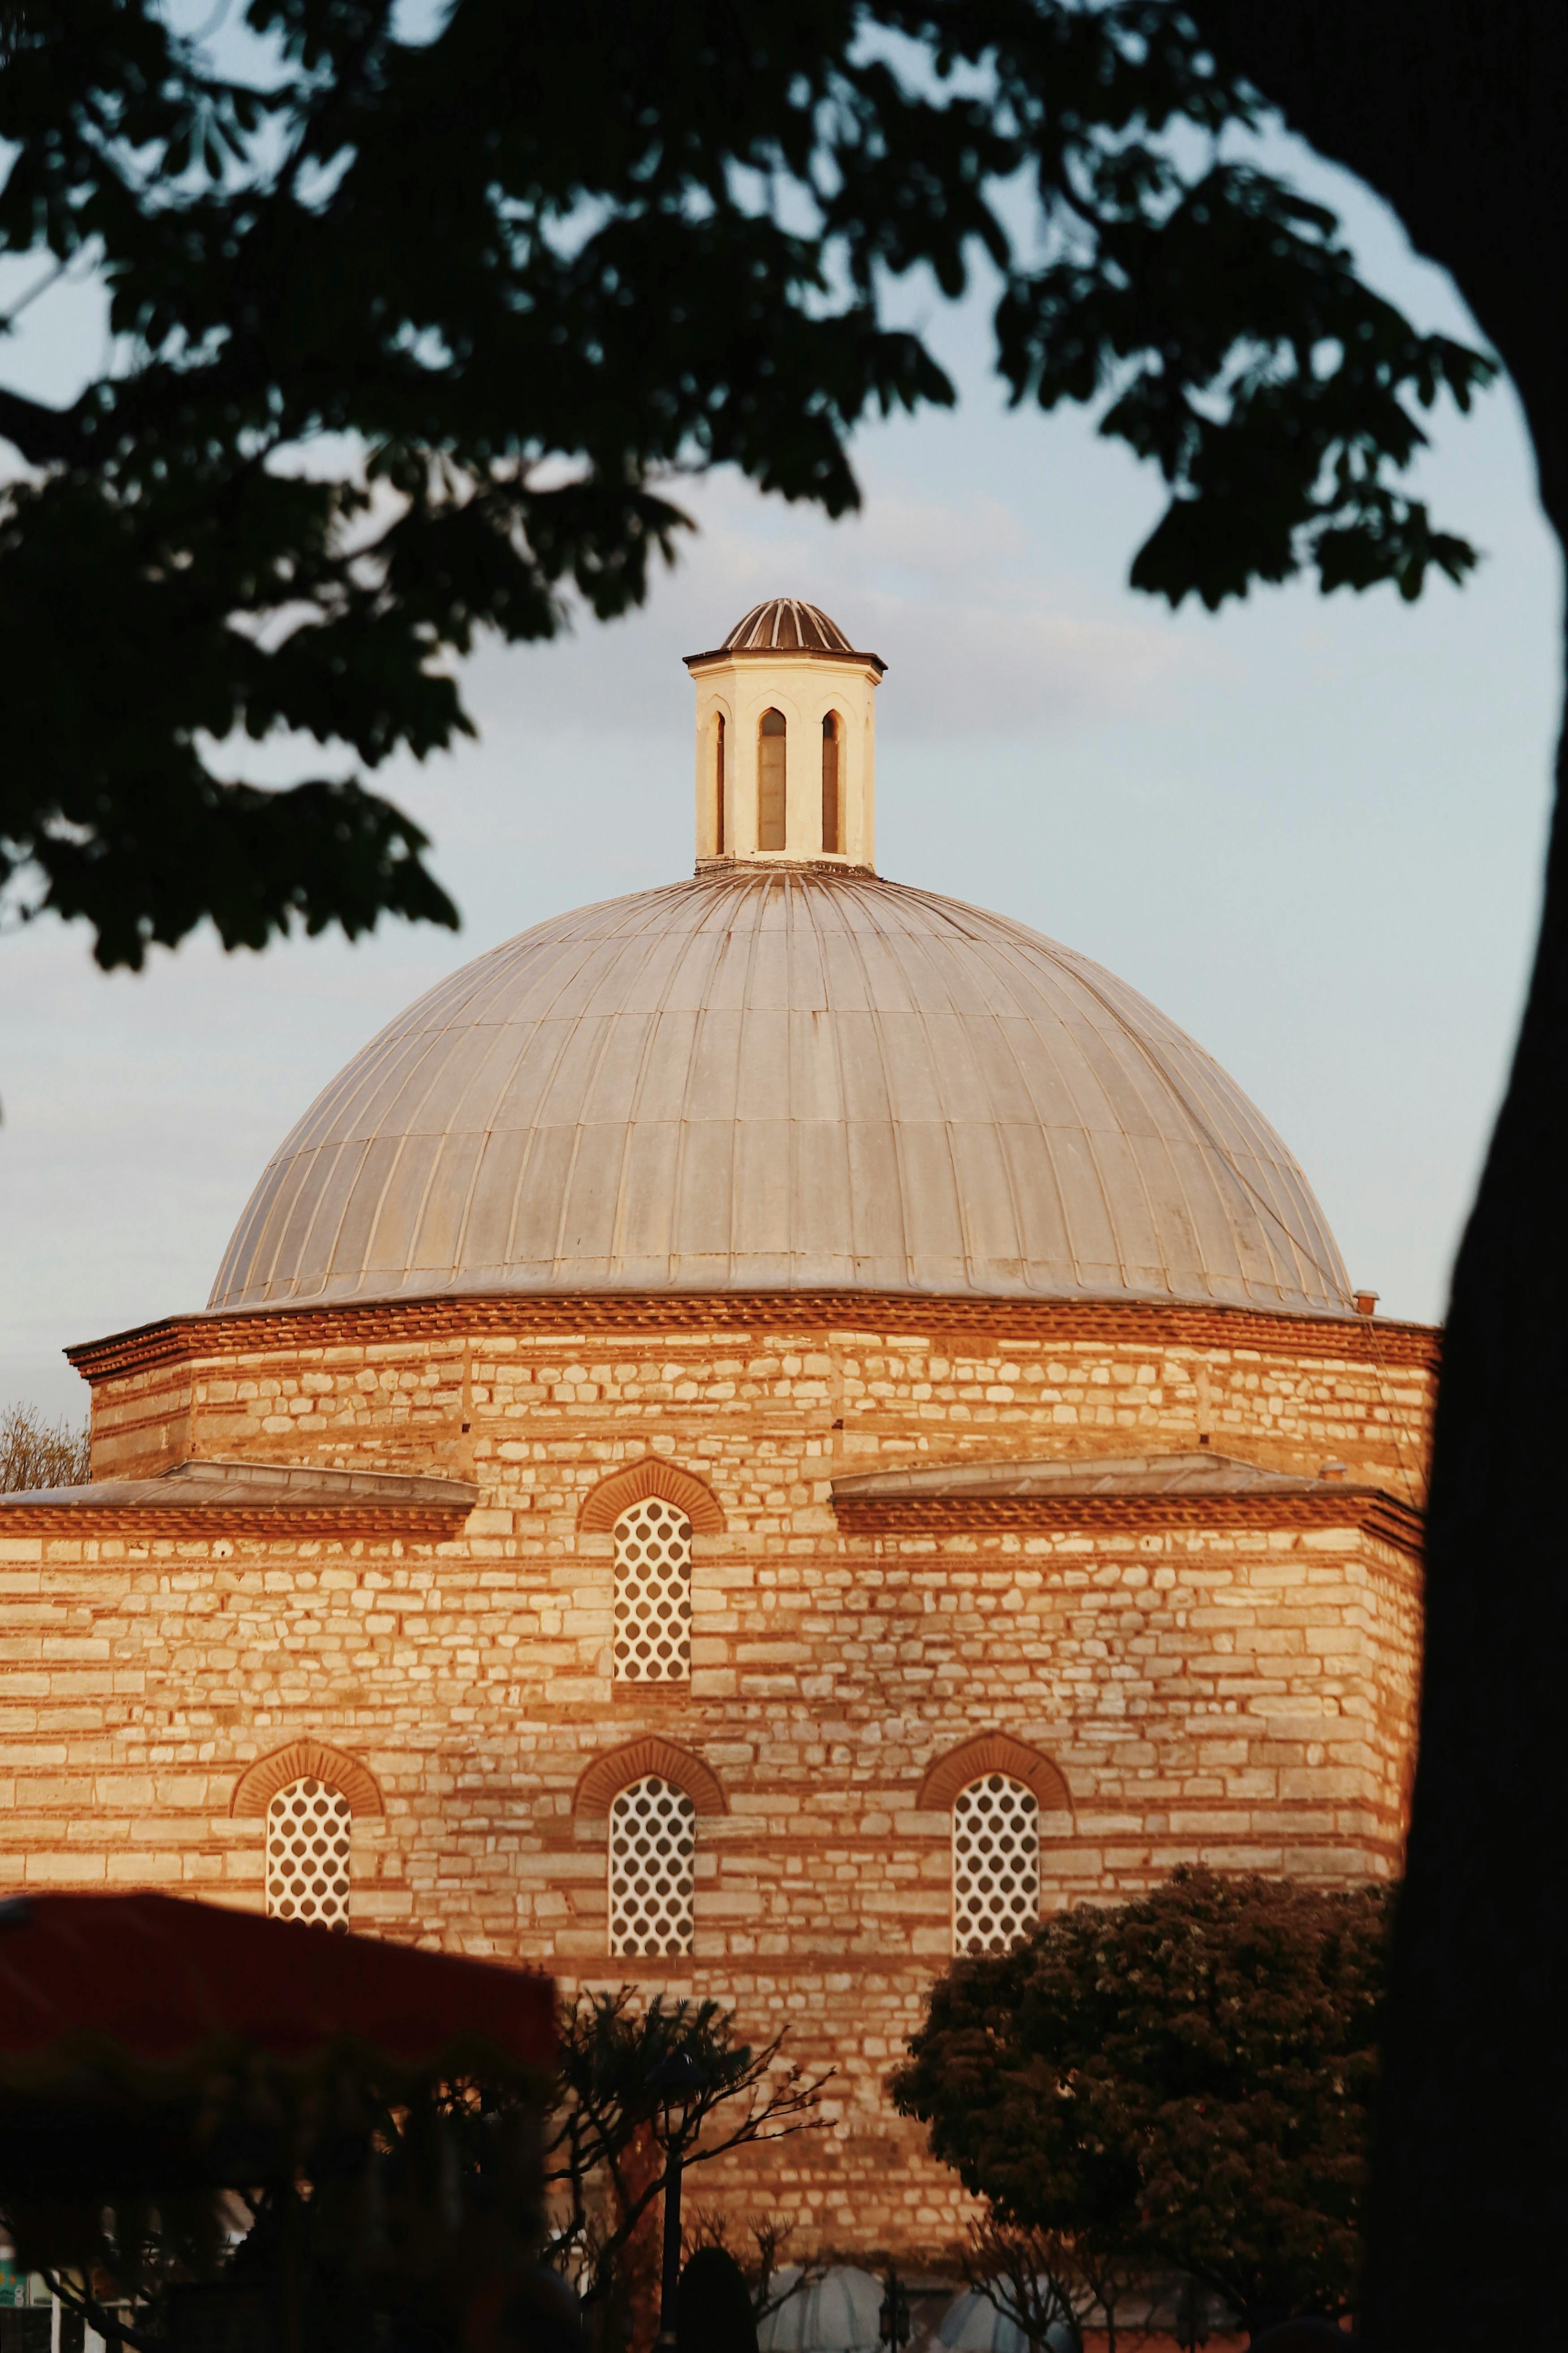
column 759, row 1435
column 155, row 2055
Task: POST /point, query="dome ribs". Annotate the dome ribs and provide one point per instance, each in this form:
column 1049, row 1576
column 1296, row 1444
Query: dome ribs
column 786, row 625
column 791, row 1078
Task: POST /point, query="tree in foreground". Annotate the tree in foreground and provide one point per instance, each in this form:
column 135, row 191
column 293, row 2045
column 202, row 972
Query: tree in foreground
column 536, row 267
column 1451, row 113
column 412, row 337
column 1053, row 2286
column 759, row 2244
column 1182, row 2083
column 611, row 2142
column 398, row 2207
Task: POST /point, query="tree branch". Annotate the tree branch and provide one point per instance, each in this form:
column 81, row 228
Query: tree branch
column 43, row 436
column 98, row 2317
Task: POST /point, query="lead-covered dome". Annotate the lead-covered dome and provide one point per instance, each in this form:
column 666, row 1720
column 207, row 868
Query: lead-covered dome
column 784, row 1079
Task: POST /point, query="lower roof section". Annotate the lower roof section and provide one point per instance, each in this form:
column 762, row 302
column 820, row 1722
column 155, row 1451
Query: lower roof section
column 1201, row 1471
column 1198, row 1490
column 270, row 1498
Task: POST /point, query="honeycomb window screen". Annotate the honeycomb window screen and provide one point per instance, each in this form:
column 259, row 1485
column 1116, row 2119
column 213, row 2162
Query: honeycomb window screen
column 307, row 1854
column 653, row 1846
column 995, row 1865
column 653, row 1593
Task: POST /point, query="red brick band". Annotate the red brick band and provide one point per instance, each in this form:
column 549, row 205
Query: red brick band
column 306, row 1760
column 651, row 1476
column 995, row 1752
column 608, row 1774
column 957, row 1323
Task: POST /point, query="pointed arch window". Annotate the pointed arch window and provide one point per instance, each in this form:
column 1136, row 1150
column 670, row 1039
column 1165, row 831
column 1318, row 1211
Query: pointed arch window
column 995, row 1865
column 719, row 785
column 771, row 781
column 308, row 1825
column 652, row 1869
column 832, row 798
column 653, row 1593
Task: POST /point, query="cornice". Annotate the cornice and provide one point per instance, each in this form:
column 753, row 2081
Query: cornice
column 957, row 1324
column 741, row 657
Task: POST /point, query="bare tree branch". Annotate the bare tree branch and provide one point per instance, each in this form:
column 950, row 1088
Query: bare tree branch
column 110, row 2326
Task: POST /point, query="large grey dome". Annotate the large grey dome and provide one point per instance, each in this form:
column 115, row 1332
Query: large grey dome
column 784, row 1079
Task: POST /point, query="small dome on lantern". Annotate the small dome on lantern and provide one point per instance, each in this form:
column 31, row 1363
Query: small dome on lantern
column 787, row 625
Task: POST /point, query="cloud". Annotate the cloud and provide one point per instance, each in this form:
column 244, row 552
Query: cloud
column 976, row 644
column 994, row 668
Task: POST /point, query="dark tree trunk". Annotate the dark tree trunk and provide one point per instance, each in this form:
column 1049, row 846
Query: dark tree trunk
column 1456, row 112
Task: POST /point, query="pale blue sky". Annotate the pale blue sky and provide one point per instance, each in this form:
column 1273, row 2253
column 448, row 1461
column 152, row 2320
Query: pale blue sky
column 1309, row 830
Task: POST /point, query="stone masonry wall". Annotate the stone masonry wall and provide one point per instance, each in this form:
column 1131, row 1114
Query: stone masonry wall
column 1239, row 1694
column 451, row 1383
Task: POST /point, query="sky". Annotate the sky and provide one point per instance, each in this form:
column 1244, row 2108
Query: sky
column 1311, row 830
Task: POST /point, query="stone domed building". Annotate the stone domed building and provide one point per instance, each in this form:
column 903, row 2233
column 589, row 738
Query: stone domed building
column 758, row 1435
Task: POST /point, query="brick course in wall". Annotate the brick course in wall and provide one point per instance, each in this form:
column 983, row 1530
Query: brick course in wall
column 1206, row 1680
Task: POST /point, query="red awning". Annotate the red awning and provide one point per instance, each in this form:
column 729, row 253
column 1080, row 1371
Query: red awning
column 155, row 1989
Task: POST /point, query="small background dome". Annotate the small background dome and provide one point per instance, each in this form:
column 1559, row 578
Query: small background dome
column 971, row 2324
column 840, row 2313
column 784, row 1079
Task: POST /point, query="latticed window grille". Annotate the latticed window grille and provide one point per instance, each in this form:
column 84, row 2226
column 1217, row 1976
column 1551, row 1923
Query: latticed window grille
column 995, row 1865
column 307, row 1854
column 653, row 1844
column 653, row 1593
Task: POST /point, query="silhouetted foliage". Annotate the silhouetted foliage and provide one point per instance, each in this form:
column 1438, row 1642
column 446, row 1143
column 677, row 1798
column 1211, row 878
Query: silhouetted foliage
column 1181, row 2082
column 1050, row 2283
column 759, row 2244
column 401, row 2216
column 413, row 335
column 610, row 2141
column 713, row 2312
column 426, row 2219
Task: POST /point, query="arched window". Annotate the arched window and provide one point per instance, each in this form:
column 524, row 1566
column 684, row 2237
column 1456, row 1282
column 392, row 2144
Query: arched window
column 653, row 1593
column 995, row 1865
column 719, row 787
column 653, row 1845
column 307, row 1827
column 770, row 782
column 831, row 804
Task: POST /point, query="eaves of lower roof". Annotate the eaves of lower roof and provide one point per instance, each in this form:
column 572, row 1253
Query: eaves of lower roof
column 206, row 1498
column 1314, row 1506
column 155, row 1523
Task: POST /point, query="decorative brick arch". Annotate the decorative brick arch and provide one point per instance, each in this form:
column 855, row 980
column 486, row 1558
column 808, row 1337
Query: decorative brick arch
column 306, row 1760
column 995, row 1752
column 651, row 1476
column 610, row 1774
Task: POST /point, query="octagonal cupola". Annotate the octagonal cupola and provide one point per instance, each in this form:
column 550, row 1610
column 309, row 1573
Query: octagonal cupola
column 786, row 735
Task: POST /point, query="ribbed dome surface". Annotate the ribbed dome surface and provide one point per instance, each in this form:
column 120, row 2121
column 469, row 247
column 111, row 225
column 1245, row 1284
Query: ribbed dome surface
column 784, row 624
column 784, row 1080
